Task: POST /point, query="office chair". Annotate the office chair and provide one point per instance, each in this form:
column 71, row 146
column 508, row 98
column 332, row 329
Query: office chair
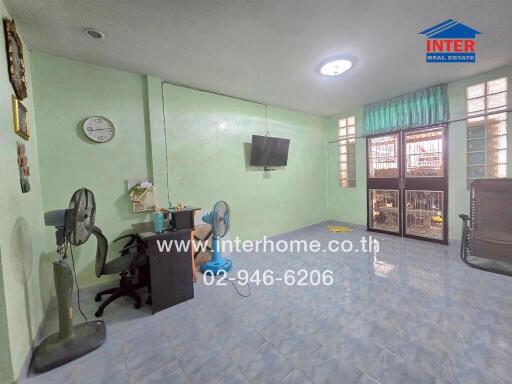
column 132, row 258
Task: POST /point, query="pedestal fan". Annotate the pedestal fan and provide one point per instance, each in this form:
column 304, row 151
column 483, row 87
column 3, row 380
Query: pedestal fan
column 73, row 227
column 218, row 218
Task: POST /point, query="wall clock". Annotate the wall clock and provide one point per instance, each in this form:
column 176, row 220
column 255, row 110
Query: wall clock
column 15, row 62
column 98, row 129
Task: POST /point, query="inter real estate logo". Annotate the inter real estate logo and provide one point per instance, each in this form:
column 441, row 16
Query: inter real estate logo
column 450, row 42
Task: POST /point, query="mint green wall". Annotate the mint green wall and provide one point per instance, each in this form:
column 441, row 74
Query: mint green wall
column 24, row 269
column 65, row 93
column 349, row 204
column 155, row 107
column 208, row 138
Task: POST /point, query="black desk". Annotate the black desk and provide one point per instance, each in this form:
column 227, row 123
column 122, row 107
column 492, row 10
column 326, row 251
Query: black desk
column 183, row 218
column 170, row 271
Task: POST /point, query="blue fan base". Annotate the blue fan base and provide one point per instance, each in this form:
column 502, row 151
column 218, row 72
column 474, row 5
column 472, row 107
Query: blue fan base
column 220, row 264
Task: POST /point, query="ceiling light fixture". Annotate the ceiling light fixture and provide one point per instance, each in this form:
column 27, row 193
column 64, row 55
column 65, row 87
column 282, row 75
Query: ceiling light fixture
column 94, row 33
column 336, row 66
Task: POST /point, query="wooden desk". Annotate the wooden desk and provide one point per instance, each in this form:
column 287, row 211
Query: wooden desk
column 171, row 280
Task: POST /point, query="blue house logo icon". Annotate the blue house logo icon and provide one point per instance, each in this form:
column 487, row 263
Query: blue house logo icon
column 450, row 42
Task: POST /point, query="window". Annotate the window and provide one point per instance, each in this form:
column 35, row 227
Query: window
column 487, row 135
column 347, row 148
column 383, row 156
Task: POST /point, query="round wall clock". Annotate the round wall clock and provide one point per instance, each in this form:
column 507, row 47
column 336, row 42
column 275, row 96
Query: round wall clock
column 98, row 129
column 15, row 62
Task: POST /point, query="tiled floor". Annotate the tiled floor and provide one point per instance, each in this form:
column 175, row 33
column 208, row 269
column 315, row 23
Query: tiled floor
column 413, row 314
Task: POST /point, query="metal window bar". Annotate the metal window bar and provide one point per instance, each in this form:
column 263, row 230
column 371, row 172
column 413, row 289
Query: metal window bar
column 437, row 124
column 424, row 213
column 424, row 153
column 384, row 210
column 383, row 159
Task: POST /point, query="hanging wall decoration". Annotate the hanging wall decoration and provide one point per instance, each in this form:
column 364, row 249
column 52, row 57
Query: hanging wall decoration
column 23, row 167
column 20, row 118
column 15, row 61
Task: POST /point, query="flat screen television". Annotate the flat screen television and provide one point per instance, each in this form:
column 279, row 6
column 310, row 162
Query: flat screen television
column 269, row 151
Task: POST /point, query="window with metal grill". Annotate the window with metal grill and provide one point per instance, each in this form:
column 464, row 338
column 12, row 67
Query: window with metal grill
column 487, row 135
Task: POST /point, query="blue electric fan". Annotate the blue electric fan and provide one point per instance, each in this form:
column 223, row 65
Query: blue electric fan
column 218, row 218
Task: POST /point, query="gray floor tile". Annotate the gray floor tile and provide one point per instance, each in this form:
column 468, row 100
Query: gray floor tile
column 335, row 370
column 267, row 366
column 296, row 377
column 413, row 314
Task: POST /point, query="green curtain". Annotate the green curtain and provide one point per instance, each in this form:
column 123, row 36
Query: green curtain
column 416, row 109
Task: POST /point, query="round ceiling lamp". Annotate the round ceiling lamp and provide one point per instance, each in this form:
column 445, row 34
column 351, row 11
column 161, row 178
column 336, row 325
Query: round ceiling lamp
column 336, row 66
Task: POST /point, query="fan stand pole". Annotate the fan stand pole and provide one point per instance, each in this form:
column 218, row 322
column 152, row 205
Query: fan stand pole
column 215, row 249
column 63, row 279
column 217, row 265
column 71, row 341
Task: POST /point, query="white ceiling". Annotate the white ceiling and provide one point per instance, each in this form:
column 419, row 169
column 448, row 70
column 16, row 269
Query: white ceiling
column 268, row 50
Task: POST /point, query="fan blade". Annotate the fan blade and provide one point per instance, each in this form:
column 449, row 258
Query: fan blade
column 80, row 216
column 221, row 214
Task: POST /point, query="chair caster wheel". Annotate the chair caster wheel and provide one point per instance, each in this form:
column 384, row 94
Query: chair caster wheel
column 98, row 313
column 136, row 305
column 97, row 298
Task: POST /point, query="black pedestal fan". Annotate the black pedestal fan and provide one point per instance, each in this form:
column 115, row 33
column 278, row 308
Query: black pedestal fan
column 73, row 228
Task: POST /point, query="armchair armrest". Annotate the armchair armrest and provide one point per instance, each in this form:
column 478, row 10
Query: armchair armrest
column 463, row 243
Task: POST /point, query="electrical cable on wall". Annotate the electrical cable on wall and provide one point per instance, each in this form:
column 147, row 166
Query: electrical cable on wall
column 76, row 282
column 165, row 142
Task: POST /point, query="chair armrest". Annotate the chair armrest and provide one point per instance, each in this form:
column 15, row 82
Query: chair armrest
column 463, row 236
column 129, row 236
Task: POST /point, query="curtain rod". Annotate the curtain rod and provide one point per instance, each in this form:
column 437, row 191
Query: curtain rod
column 435, row 125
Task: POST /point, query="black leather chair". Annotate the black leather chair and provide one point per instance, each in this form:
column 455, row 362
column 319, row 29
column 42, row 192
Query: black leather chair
column 132, row 260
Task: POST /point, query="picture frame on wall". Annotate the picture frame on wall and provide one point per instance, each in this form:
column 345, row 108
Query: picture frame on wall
column 15, row 59
column 20, row 118
column 23, row 167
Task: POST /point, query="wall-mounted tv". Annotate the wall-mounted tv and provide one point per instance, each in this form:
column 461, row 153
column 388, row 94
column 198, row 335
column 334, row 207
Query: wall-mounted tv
column 269, row 151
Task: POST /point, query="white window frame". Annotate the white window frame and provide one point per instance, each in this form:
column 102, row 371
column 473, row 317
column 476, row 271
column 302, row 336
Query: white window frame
column 347, row 138
column 486, row 122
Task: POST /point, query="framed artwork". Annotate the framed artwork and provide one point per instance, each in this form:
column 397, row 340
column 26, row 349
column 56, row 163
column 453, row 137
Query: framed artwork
column 23, row 167
column 20, row 118
column 15, row 60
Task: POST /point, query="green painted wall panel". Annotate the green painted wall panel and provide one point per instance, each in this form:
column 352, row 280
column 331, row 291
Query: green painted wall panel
column 65, row 93
column 208, row 139
column 155, row 107
column 24, row 267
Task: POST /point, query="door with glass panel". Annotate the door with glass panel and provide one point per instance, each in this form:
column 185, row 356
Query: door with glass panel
column 407, row 184
column 425, row 184
column 384, row 197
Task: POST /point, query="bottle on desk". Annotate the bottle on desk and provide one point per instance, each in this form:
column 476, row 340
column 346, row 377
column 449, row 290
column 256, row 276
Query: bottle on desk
column 158, row 220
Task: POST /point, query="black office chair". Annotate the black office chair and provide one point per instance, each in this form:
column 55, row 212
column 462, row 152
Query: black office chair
column 132, row 258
